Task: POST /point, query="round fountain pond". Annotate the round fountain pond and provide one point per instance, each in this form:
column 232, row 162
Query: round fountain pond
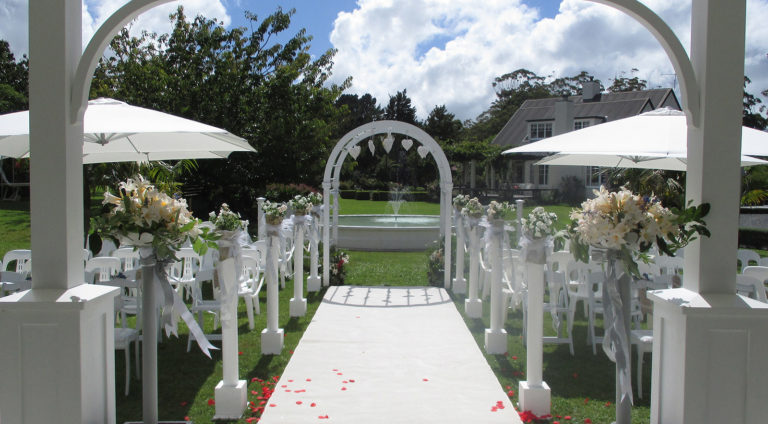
column 388, row 232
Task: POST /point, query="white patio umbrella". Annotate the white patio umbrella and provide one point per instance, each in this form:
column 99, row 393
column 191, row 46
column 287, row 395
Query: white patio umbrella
column 654, row 140
column 115, row 131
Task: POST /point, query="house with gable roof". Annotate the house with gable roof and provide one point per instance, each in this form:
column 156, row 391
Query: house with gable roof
column 541, row 118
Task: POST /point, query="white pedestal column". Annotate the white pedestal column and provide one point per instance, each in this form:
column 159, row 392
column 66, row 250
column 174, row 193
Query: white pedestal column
column 326, row 233
column 272, row 336
column 459, row 285
column 715, row 347
column 298, row 304
column 496, row 336
column 262, row 227
column 473, row 306
column 58, row 357
column 534, row 393
column 231, row 392
column 313, row 281
column 519, row 204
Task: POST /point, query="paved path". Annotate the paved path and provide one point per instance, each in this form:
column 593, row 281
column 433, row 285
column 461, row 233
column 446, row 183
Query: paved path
column 388, row 355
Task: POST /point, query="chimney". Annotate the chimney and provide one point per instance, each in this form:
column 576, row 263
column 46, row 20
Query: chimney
column 590, row 91
column 563, row 116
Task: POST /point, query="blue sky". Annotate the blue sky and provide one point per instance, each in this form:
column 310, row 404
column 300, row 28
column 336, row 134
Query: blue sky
column 448, row 52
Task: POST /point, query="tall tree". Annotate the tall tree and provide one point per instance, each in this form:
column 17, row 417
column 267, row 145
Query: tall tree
column 14, row 80
column 752, row 115
column 400, row 108
column 443, row 125
column 622, row 83
column 274, row 95
column 357, row 111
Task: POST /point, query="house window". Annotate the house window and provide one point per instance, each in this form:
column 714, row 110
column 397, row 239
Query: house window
column 543, row 174
column 540, row 130
column 594, row 176
column 583, row 123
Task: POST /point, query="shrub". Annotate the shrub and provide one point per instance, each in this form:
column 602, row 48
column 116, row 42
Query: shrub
column 286, row 192
column 435, row 263
column 753, row 238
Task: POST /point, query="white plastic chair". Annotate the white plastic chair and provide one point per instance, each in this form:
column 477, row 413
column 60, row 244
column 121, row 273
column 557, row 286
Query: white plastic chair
column 250, row 286
column 745, row 258
column 557, row 264
column 23, row 258
column 124, row 336
column 763, row 261
column 100, row 269
column 12, row 281
column 751, row 286
column 643, row 341
column 201, row 305
column 183, row 272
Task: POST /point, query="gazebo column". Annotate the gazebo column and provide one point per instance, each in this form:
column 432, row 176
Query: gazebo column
column 73, row 382
column 709, row 344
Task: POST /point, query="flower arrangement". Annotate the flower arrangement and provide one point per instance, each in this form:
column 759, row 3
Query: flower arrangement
column 539, row 224
column 631, row 224
column 300, row 205
column 436, row 263
column 338, row 270
column 504, row 211
column 460, row 201
column 473, row 208
column 143, row 216
column 227, row 220
column 274, row 213
column 315, row 198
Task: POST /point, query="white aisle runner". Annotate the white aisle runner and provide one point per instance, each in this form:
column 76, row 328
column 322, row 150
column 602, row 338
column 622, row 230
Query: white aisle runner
column 388, row 355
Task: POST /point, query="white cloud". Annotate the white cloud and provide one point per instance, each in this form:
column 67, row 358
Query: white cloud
column 14, row 18
column 381, row 45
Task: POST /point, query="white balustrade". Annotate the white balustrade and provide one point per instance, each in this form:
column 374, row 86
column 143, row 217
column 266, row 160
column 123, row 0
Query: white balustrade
column 231, row 392
column 298, row 304
column 473, row 306
column 272, row 336
column 496, row 336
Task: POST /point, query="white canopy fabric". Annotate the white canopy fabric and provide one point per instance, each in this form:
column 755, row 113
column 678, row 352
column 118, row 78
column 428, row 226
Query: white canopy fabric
column 658, row 133
column 674, row 162
column 115, row 131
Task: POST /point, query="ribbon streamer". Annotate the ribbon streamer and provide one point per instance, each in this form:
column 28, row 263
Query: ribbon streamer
column 172, row 302
column 616, row 340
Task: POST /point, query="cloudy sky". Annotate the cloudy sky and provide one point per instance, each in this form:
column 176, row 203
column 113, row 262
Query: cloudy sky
column 449, row 51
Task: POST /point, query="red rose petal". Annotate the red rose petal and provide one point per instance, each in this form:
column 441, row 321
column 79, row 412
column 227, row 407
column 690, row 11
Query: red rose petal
column 424, row 379
column 298, row 402
column 284, row 386
column 587, row 421
column 186, row 418
column 211, row 402
column 338, row 373
column 494, row 409
column 567, row 417
column 290, row 381
column 240, row 352
column 514, row 358
column 351, row 381
column 272, row 405
column 184, row 403
column 343, row 388
column 313, row 404
column 345, row 382
column 309, row 379
column 511, row 393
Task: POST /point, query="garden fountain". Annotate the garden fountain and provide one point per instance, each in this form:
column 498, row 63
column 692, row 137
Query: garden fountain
column 397, row 198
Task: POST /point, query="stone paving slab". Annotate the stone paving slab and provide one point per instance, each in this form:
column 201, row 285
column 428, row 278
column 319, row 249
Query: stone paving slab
column 388, row 355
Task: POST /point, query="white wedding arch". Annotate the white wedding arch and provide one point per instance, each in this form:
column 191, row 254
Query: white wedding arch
column 349, row 143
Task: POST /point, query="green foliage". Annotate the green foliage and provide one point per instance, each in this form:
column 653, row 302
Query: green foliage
column 357, row 111
column 274, row 95
column 571, row 190
column 752, row 115
column 14, row 81
column 443, row 125
column 286, row 192
column 753, row 238
column 668, row 186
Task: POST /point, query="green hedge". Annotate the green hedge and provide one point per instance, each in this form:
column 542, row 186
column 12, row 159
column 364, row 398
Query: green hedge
column 380, row 195
column 753, row 238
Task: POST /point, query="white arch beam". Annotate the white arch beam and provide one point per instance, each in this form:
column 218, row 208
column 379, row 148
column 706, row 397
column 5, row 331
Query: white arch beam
column 689, row 89
column 81, row 84
column 351, row 139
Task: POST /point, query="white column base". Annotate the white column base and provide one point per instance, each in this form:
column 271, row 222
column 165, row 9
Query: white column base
column 708, row 358
column 58, row 355
column 473, row 308
column 459, row 285
column 495, row 342
column 313, row 284
column 298, row 307
column 272, row 342
column 230, row 400
column 536, row 399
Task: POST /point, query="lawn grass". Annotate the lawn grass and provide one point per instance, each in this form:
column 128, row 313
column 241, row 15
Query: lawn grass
column 357, row 207
column 14, row 226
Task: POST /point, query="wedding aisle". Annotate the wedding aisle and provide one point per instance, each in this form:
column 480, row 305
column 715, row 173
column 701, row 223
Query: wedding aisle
column 388, row 355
